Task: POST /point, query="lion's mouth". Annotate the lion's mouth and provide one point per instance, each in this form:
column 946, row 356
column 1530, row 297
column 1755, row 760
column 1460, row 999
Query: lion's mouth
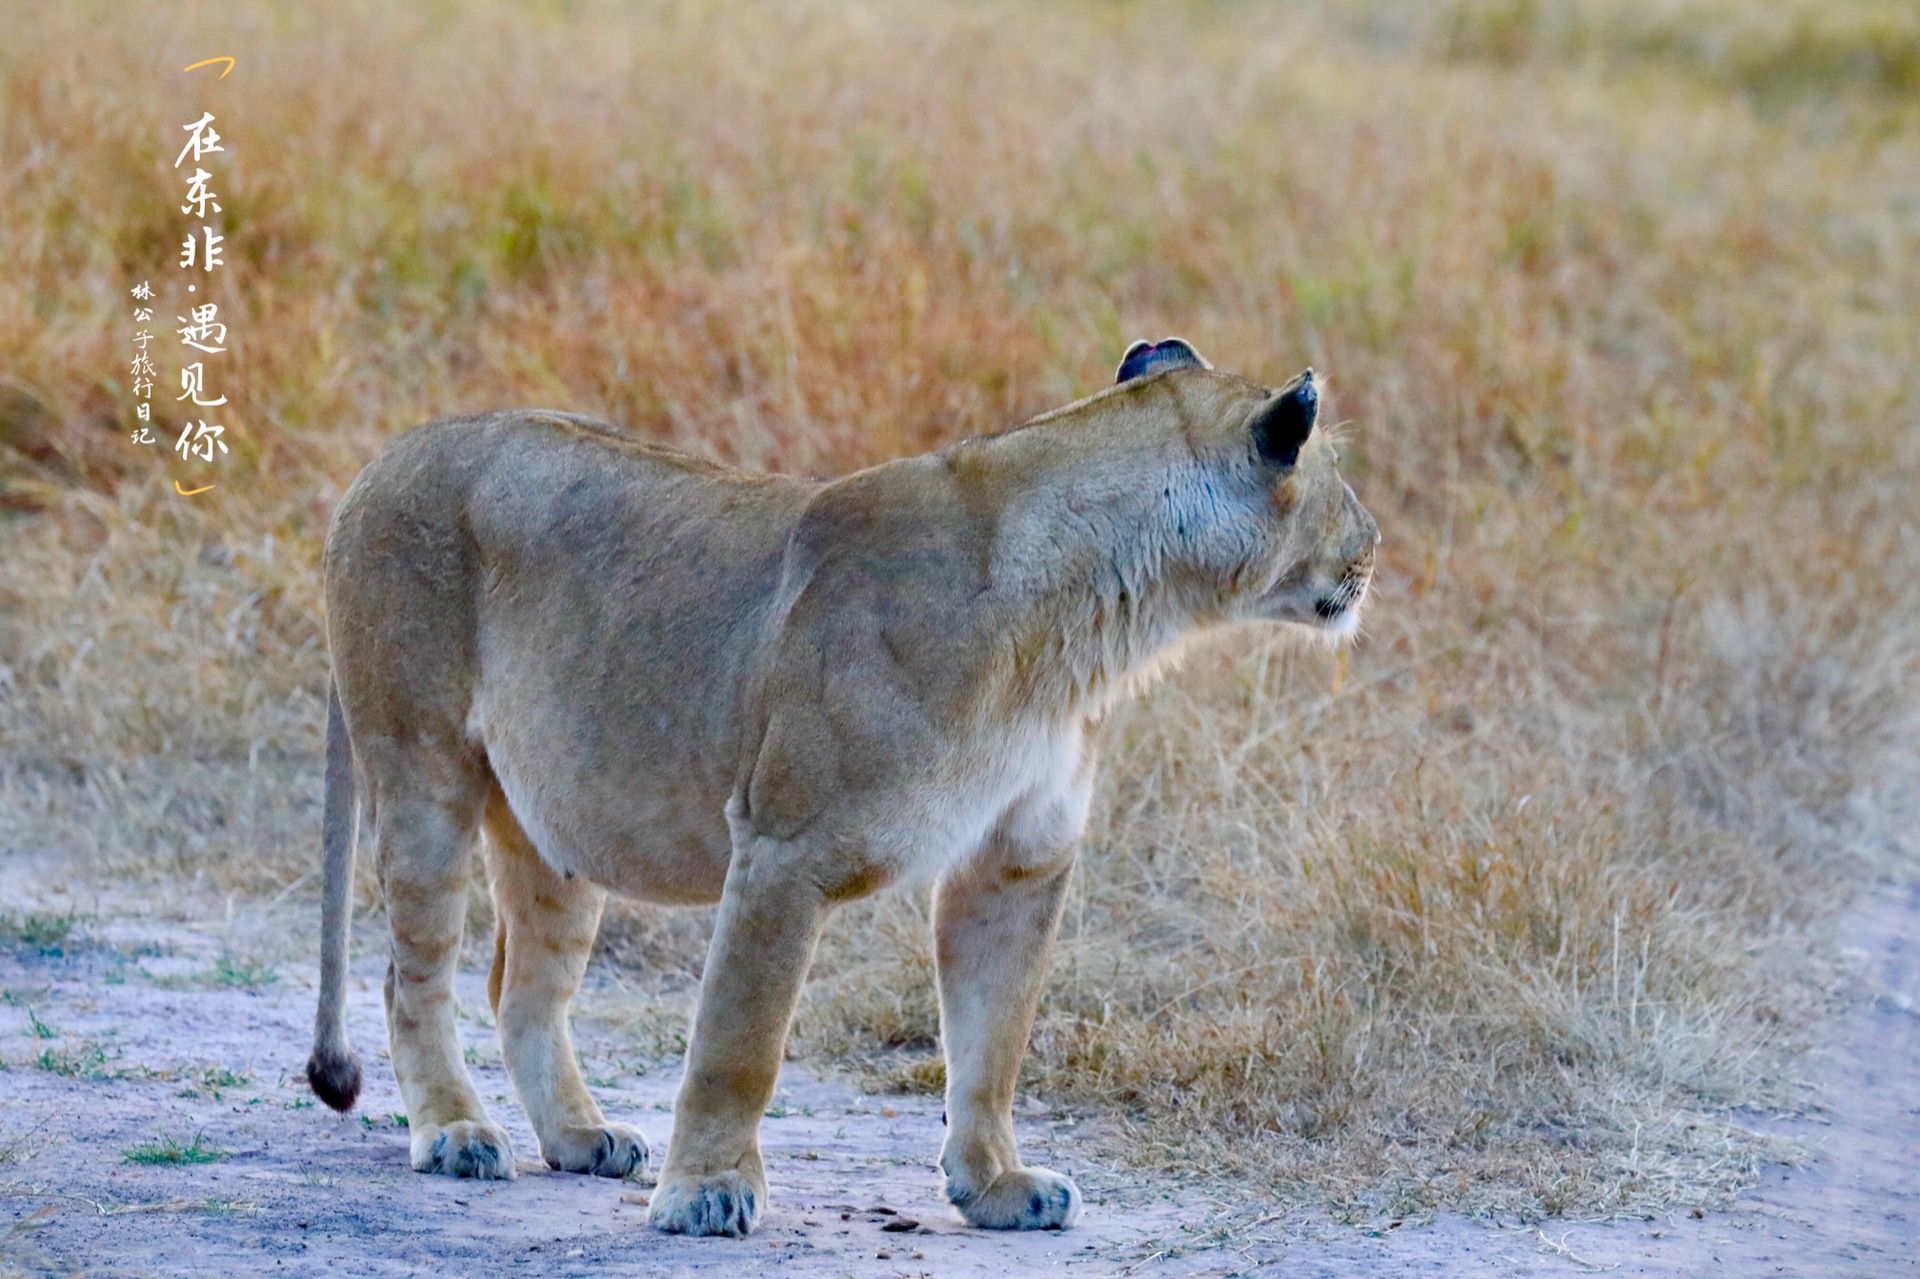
column 1331, row 611
column 1342, row 603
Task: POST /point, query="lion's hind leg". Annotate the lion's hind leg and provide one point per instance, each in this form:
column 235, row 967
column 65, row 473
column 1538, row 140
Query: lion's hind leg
column 426, row 814
column 547, row 924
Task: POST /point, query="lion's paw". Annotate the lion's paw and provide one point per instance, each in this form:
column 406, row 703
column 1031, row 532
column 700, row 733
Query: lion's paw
column 464, row 1148
column 723, row 1204
column 1030, row 1199
column 603, row 1150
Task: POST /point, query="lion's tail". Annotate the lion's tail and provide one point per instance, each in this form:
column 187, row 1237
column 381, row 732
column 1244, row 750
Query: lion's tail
column 333, row 1071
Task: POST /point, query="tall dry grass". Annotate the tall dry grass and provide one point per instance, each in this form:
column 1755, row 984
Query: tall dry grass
column 1516, row 907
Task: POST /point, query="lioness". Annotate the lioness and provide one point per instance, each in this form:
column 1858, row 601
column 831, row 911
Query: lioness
column 638, row 671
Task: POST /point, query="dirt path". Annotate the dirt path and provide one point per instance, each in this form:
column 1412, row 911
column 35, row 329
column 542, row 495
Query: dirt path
column 180, row 1047
column 132, row 1033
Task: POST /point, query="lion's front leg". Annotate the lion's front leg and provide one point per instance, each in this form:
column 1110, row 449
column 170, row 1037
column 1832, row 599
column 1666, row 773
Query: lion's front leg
column 771, row 913
column 994, row 922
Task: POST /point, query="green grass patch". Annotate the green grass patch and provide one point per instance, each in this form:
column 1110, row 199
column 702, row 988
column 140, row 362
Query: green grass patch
column 47, row 933
column 212, row 1081
column 247, row 974
column 85, row 1060
column 168, row 1152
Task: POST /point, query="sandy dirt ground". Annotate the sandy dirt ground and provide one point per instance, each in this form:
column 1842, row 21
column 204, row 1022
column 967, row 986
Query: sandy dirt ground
column 139, row 1030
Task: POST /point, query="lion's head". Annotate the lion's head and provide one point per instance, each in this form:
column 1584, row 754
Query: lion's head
column 1292, row 544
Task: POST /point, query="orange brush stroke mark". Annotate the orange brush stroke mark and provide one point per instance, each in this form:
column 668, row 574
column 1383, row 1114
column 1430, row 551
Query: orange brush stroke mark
column 188, row 492
column 207, row 62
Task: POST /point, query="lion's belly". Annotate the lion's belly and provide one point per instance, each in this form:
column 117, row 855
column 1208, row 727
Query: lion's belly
column 660, row 837
column 651, row 828
column 665, row 838
column 620, row 772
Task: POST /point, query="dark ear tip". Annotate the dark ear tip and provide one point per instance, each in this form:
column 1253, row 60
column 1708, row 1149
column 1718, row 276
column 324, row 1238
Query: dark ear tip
column 1185, row 349
column 1144, row 357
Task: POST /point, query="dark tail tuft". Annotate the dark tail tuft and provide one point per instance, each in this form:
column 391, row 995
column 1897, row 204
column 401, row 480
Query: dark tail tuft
column 335, row 1078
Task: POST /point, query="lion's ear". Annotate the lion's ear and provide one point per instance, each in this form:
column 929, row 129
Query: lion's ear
column 1282, row 424
column 1145, row 357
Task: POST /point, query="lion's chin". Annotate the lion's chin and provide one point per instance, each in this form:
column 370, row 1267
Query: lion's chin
column 1341, row 627
column 1330, row 628
column 1299, row 613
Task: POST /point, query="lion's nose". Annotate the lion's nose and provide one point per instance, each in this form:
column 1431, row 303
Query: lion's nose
column 1362, row 517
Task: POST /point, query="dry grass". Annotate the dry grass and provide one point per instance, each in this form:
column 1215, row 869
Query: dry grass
column 1511, row 910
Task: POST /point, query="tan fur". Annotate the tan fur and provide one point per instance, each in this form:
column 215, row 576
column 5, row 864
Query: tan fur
column 635, row 671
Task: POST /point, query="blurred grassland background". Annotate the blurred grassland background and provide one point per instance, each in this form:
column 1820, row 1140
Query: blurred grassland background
column 1519, row 907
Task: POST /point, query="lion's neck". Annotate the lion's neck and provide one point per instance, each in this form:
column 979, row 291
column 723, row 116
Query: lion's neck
column 1104, row 581
column 1085, row 650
